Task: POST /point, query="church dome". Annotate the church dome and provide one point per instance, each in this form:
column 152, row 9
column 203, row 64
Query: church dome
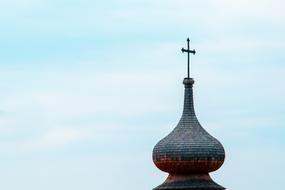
column 189, row 153
column 189, row 148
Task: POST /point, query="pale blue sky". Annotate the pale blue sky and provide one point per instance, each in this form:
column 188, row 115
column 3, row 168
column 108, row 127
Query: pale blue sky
column 88, row 88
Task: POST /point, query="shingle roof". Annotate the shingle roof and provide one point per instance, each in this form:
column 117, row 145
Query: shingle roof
column 189, row 148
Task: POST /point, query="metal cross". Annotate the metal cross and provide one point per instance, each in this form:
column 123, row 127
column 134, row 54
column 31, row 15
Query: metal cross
column 188, row 51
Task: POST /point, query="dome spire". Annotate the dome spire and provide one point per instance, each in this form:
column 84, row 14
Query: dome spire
column 188, row 51
column 189, row 152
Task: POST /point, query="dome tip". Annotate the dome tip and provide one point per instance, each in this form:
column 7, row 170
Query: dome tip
column 188, row 81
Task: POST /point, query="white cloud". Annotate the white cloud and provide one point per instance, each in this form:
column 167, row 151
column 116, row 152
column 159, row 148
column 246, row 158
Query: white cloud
column 270, row 10
column 87, row 95
column 56, row 138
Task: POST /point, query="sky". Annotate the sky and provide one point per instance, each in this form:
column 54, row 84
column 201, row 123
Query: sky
column 89, row 87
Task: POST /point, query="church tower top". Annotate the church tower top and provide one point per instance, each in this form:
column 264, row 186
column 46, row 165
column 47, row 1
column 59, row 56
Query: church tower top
column 189, row 152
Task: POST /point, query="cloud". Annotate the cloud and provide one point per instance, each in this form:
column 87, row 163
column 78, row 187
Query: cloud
column 56, row 139
column 270, row 10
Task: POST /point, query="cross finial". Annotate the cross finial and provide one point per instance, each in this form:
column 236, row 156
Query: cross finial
column 188, row 51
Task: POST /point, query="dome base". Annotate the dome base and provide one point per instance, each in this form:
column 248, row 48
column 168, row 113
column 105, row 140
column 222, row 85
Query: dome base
column 189, row 182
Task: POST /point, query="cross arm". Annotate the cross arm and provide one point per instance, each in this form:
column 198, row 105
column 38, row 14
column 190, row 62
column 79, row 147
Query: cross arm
column 188, row 51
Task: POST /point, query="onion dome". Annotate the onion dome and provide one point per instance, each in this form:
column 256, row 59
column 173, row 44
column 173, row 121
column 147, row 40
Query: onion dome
column 189, row 152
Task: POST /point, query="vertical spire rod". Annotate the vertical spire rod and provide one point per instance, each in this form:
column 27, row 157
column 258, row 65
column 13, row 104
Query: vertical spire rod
column 188, row 58
column 188, row 52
